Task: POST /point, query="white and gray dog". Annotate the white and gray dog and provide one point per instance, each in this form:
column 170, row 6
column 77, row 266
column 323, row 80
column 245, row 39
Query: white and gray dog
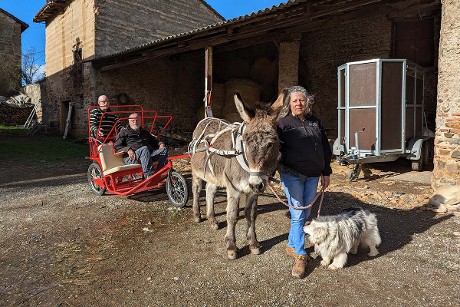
column 335, row 235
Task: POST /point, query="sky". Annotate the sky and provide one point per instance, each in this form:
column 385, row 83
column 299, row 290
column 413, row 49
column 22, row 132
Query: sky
column 33, row 38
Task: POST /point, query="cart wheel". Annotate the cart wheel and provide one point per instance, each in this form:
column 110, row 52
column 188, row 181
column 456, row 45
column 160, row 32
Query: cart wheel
column 95, row 172
column 177, row 189
column 354, row 174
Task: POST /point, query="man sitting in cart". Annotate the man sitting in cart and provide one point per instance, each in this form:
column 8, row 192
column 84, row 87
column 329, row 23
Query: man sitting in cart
column 140, row 146
column 101, row 128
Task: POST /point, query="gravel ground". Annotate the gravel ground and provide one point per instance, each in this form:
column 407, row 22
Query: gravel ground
column 61, row 245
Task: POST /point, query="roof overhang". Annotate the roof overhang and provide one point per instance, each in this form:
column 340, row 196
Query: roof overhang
column 282, row 22
column 49, row 9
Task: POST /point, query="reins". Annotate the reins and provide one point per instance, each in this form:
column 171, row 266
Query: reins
column 321, row 192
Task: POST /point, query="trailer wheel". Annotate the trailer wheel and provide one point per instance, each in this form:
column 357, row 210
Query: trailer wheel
column 95, row 172
column 177, row 189
column 354, row 174
column 424, row 160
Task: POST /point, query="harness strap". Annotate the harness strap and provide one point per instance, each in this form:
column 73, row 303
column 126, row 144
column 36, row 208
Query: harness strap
column 240, row 146
column 237, row 144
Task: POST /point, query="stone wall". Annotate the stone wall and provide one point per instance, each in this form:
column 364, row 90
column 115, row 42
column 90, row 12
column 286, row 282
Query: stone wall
column 289, row 63
column 125, row 24
column 323, row 51
column 63, row 31
column 37, row 94
column 100, row 28
column 10, row 55
column 447, row 140
column 11, row 116
column 172, row 86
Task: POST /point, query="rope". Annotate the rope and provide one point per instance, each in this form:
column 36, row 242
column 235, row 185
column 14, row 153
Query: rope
column 321, row 192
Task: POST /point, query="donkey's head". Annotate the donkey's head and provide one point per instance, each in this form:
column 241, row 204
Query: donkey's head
column 260, row 140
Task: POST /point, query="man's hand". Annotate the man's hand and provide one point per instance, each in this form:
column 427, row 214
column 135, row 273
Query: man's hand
column 325, row 180
column 131, row 154
column 100, row 134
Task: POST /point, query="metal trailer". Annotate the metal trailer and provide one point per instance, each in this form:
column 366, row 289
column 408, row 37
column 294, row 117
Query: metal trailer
column 381, row 114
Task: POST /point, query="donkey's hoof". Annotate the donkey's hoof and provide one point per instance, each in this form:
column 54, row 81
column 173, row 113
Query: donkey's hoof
column 232, row 255
column 255, row 250
column 214, row 226
column 197, row 219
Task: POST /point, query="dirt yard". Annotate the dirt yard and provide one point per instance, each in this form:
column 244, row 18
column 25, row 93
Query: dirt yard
column 61, row 245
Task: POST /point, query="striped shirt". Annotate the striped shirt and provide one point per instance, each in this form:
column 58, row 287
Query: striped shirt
column 105, row 124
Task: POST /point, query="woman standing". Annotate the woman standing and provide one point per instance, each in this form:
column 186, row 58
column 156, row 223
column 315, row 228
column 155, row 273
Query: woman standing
column 305, row 158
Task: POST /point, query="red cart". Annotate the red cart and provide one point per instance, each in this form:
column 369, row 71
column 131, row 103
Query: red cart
column 108, row 172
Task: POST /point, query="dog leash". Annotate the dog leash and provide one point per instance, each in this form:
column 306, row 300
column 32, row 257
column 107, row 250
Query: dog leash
column 321, row 192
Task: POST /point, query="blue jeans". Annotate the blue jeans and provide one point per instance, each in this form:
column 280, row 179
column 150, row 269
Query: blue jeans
column 299, row 192
column 146, row 158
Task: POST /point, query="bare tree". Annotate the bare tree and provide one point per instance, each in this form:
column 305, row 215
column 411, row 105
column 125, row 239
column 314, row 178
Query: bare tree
column 30, row 69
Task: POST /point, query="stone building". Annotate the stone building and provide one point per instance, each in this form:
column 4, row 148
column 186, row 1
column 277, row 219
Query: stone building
column 10, row 52
column 78, row 31
column 447, row 140
column 297, row 42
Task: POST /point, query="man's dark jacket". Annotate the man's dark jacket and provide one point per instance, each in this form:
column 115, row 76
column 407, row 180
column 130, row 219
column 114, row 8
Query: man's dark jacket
column 131, row 139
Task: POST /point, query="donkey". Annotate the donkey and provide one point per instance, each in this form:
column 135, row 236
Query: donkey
column 239, row 157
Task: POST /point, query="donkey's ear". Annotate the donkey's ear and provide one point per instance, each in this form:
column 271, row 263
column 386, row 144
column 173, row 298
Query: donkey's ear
column 278, row 105
column 245, row 111
column 279, row 102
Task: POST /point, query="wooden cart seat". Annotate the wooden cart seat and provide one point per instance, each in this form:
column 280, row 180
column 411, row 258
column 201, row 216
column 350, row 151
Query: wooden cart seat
column 112, row 163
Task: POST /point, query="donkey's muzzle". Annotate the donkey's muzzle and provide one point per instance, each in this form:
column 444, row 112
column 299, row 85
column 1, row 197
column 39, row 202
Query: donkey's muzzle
column 259, row 188
column 258, row 183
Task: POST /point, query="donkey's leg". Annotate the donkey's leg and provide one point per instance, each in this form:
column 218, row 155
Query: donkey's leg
column 210, row 193
column 233, row 199
column 196, row 188
column 251, row 214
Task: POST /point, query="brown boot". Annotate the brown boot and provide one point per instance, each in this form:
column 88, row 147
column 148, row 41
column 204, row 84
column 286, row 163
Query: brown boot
column 291, row 252
column 300, row 264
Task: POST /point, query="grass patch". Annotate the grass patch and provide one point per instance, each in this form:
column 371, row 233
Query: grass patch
column 40, row 149
column 13, row 130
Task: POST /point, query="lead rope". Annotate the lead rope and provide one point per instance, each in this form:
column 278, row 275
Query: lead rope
column 321, row 192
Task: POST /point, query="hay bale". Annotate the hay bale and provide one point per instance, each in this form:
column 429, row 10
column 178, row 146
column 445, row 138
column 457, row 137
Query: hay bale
column 218, row 99
column 264, row 71
column 250, row 92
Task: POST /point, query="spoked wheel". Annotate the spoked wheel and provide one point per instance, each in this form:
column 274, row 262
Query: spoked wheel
column 354, row 173
column 95, row 173
column 176, row 188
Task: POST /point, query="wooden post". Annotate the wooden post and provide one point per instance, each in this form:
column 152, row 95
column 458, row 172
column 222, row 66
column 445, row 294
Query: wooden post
column 67, row 122
column 208, row 82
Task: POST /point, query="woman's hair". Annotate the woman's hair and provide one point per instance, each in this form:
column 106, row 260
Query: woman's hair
column 309, row 99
